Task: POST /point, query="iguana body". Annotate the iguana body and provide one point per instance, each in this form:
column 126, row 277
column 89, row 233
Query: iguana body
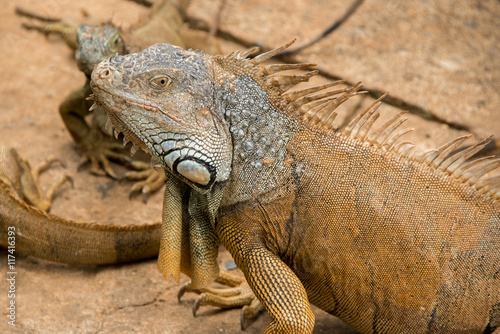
column 353, row 221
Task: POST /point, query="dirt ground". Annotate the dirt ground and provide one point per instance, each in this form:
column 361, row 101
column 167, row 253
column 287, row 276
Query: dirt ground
column 440, row 60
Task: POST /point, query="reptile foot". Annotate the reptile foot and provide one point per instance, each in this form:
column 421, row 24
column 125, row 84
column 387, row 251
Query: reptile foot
column 150, row 179
column 100, row 154
column 238, row 294
column 17, row 172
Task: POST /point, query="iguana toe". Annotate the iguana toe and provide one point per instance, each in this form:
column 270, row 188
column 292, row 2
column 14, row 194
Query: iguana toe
column 183, row 290
column 100, row 156
column 235, row 296
column 251, row 311
column 150, row 180
column 196, row 306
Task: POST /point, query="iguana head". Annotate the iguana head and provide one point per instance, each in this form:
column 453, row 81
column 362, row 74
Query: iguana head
column 96, row 43
column 205, row 117
column 164, row 100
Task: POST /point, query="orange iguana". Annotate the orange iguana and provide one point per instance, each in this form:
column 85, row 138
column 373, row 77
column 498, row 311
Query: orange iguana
column 362, row 225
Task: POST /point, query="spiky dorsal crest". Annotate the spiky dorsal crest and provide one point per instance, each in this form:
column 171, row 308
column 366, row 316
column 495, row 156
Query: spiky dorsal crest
column 315, row 106
column 299, row 103
column 458, row 165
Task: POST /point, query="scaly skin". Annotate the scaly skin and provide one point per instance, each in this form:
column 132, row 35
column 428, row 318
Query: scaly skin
column 363, row 226
column 53, row 238
column 92, row 44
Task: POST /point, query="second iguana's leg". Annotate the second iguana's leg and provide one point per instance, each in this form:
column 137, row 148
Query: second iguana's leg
column 27, row 183
column 43, row 166
column 59, row 181
column 95, row 146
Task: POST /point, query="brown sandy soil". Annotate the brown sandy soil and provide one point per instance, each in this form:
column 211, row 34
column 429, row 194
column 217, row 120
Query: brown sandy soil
column 439, row 61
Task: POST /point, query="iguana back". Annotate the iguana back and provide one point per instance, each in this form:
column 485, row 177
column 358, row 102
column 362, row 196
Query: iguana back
column 387, row 243
column 378, row 236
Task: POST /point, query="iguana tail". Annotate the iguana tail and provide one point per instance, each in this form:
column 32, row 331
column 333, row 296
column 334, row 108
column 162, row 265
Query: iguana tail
column 47, row 236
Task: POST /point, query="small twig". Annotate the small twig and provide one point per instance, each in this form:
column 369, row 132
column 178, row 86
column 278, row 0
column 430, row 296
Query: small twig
column 215, row 24
column 326, row 32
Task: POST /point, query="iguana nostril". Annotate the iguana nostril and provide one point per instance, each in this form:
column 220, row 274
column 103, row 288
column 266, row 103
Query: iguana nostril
column 105, row 74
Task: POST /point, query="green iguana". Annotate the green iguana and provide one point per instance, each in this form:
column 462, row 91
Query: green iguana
column 354, row 221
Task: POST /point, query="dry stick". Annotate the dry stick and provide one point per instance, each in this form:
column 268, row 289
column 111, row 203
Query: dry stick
column 325, row 33
column 215, row 24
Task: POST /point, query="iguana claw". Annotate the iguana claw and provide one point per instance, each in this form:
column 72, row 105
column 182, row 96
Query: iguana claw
column 196, row 306
column 181, row 292
column 250, row 312
column 242, row 318
column 149, row 179
column 238, row 294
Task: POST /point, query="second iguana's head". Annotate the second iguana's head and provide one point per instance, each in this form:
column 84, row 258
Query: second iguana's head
column 96, row 43
column 164, row 100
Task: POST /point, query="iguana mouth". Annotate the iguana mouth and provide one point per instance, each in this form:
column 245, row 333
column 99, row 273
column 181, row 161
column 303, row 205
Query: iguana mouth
column 128, row 134
column 151, row 107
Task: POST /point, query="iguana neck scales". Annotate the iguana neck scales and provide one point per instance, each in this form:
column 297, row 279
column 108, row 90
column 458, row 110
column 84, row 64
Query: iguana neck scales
column 355, row 221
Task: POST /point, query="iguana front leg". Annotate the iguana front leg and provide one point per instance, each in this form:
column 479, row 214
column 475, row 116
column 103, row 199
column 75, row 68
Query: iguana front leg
column 187, row 225
column 273, row 282
column 94, row 145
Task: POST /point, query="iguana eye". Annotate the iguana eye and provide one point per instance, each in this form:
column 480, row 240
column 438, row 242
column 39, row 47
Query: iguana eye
column 115, row 42
column 160, row 81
